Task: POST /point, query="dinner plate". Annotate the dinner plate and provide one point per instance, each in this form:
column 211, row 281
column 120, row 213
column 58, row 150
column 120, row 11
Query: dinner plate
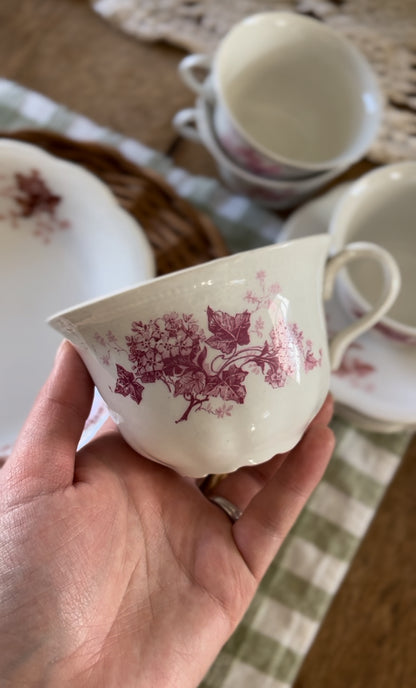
column 63, row 240
column 375, row 386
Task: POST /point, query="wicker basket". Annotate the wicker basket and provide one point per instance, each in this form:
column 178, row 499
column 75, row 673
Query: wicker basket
column 179, row 234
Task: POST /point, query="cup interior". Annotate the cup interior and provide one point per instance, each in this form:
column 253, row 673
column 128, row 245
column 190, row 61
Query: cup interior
column 297, row 90
column 381, row 208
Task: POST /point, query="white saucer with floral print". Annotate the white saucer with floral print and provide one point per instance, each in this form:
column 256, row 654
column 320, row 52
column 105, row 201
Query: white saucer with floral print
column 63, row 239
column 375, row 386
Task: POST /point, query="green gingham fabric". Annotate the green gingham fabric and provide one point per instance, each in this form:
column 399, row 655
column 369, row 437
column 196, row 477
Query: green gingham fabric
column 267, row 649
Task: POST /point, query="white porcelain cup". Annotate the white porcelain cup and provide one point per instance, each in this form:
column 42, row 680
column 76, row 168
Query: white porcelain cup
column 292, row 97
column 381, row 208
column 220, row 365
column 196, row 124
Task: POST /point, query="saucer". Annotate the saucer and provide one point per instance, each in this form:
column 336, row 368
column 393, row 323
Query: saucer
column 375, row 386
column 63, row 240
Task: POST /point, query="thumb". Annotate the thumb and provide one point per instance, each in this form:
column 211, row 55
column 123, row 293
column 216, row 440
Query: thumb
column 44, row 455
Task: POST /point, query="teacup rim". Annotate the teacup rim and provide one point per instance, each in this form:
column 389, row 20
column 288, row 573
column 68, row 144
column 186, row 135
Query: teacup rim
column 390, row 327
column 116, row 300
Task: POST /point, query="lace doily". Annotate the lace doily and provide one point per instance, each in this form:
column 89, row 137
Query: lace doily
column 385, row 32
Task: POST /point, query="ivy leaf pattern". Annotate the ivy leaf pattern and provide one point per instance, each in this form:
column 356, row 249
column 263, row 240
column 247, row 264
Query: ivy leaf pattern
column 229, row 385
column 228, row 331
column 209, row 371
column 192, row 383
column 127, row 385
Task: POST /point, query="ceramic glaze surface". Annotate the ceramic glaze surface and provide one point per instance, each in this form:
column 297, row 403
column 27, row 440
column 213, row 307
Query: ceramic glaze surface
column 292, row 123
column 381, row 207
column 197, row 124
column 203, row 369
column 63, row 239
column 220, row 365
column 207, row 363
column 291, row 96
column 376, row 383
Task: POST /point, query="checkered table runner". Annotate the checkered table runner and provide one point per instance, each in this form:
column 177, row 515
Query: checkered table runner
column 268, row 647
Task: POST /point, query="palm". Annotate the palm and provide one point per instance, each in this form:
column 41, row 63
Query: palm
column 136, row 578
column 173, row 569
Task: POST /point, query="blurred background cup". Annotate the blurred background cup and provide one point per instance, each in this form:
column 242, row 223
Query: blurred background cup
column 196, row 124
column 292, row 98
column 380, row 207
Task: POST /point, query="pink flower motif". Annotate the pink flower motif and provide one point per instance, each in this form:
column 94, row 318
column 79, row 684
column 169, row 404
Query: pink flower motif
column 175, row 350
column 32, row 199
column 311, row 361
column 249, row 157
column 276, row 377
column 223, row 411
column 354, row 366
column 105, row 359
column 258, row 326
column 111, row 337
column 266, row 298
column 99, row 339
column 251, row 298
column 274, row 289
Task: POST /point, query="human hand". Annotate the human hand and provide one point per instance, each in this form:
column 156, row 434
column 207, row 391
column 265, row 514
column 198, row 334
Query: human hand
column 116, row 571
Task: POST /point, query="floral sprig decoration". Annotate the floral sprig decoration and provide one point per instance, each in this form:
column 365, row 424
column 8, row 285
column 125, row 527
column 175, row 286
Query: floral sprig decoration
column 29, row 197
column 208, row 367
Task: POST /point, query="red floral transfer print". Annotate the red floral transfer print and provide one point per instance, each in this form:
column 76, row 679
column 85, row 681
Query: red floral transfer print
column 354, row 367
column 34, row 196
column 228, row 331
column 255, row 162
column 356, row 370
column 31, row 198
column 208, row 369
column 127, row 385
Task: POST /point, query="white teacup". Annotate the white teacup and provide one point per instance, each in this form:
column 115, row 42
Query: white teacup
column 380, row 207
column 292, row 97
column 196, row 124
column 220, row 365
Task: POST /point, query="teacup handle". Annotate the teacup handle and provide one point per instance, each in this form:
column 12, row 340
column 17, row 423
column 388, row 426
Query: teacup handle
column 187, row 70
column 391, row 287
column 186, row 124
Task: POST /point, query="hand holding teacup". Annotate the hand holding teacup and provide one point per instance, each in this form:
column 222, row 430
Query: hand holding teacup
column 224, row 364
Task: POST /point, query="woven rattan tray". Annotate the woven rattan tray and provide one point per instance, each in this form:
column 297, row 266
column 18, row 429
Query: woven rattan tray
column 179, row 234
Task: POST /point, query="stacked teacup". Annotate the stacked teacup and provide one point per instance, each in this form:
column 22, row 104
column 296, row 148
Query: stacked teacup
column 284, row 105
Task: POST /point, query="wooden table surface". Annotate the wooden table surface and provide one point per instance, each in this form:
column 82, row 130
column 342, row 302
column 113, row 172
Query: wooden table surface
column 65, row 51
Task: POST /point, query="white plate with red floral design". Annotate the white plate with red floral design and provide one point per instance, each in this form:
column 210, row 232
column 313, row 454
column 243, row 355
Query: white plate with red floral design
column 63, row 239
column 376, row 383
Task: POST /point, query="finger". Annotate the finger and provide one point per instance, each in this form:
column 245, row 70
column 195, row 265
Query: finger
column 241, row 486
column 44, row 455
column 272, row 512
column 325, row 413
column 108, row 426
